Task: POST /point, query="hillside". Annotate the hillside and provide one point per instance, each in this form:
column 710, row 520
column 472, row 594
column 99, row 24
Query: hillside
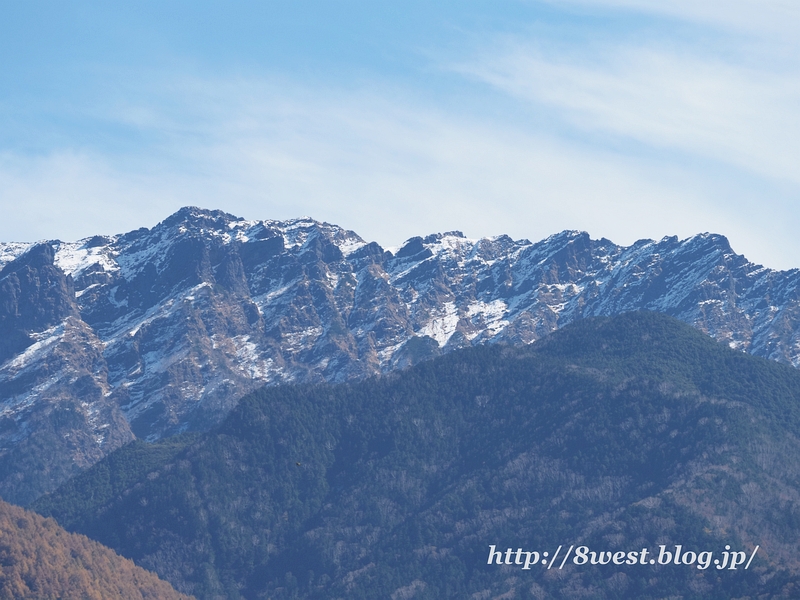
column 41, row 561
column 160, row 331
column 615, row 433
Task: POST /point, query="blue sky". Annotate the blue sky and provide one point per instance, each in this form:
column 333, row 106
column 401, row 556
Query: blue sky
column 625, row 118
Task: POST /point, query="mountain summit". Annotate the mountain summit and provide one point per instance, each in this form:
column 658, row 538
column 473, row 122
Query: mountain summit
column 162, row 330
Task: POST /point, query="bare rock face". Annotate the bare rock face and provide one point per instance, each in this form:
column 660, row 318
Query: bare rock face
column 34, row 294
column 162, row 330
column 56, row 416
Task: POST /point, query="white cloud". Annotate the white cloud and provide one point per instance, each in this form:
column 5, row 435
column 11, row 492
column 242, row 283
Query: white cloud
column 70, row 195
column 755, row 17
column 677, row 100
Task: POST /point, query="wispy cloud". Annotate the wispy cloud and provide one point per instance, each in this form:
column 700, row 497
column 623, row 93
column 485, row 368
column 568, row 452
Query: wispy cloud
column 662, row 97
column 756, row 17
column 68, row 194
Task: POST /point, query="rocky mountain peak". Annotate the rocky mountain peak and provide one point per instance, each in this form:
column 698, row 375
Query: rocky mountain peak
column 193, row 217
column 34, row 295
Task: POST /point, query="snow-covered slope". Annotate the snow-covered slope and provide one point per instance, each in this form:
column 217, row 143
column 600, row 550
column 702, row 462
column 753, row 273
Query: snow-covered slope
column 177, row 322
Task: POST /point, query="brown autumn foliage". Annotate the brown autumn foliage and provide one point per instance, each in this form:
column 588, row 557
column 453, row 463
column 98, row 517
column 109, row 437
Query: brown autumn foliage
column 39, row 559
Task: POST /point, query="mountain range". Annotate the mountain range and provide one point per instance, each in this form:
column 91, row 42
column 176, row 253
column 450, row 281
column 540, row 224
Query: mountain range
column 611, row 435
column 161, row 331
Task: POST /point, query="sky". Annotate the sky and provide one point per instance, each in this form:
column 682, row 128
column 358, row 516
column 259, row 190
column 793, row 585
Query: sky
column 628, row 119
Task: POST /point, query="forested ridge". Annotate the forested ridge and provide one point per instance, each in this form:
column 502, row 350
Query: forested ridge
column 619, row 433
column 41, row 561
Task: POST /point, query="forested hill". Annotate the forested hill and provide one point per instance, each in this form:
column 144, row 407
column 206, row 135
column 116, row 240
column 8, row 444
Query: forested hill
column 41, row 561
column 617, row 433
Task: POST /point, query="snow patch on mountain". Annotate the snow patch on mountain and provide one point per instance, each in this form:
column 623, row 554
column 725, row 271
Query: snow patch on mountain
column 487, row 317
column 9, row 251
column 76, row 257
column 43, row 341
column 443, row 326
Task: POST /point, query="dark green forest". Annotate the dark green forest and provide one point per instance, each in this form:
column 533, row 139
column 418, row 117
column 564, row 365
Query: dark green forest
column 616, row 433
